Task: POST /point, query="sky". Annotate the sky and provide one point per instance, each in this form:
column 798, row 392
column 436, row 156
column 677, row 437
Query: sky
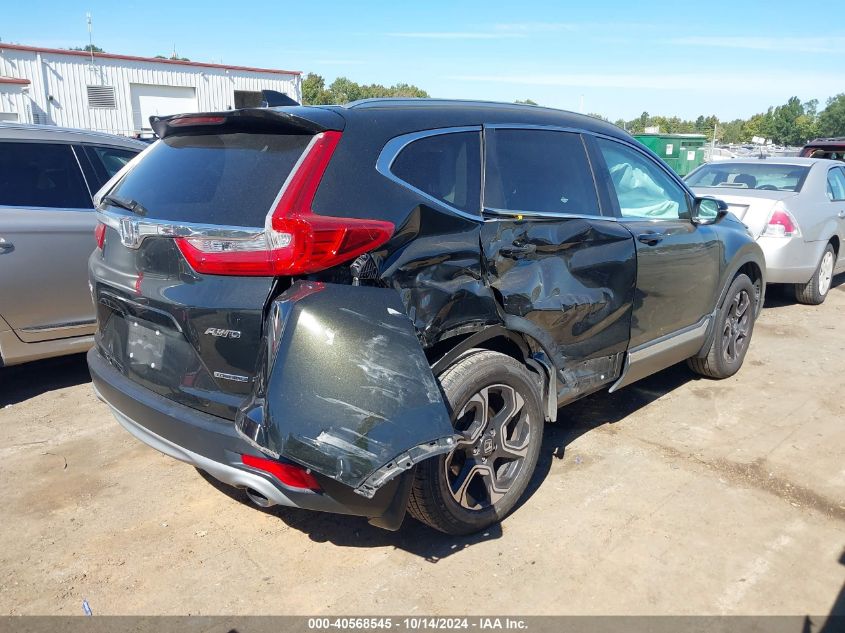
column 614, row 58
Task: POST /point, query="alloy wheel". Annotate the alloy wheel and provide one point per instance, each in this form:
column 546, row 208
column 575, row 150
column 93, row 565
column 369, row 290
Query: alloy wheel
column 737, row 326
column 825, row 273
column 488, row 458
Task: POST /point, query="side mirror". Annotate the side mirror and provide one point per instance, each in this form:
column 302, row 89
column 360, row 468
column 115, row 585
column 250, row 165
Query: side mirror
column 709, row 210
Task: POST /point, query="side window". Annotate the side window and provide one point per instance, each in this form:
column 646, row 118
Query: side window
column 538, row 170
column 446, row 167
column 41, row 175
column 643, row 189
column 836, row 184
column 112, row 159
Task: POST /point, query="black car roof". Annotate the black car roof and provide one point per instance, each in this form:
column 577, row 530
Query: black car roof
column 837, row 142
column 402, row 114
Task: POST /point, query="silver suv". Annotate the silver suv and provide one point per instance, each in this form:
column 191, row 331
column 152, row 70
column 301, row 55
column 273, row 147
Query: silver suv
column 47, row 178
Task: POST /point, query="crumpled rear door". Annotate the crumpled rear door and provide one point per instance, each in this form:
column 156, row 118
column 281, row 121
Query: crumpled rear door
column 345, row 388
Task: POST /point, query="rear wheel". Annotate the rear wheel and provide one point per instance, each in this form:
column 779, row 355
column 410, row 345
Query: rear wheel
column 495, row 406
column 814, row 292
column 733, row 328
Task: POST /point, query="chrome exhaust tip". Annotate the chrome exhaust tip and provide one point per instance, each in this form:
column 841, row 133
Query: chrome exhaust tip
column 258, row 499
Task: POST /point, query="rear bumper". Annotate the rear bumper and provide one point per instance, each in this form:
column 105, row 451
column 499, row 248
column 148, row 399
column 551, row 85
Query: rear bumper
column 213, row 445
column 789, row 260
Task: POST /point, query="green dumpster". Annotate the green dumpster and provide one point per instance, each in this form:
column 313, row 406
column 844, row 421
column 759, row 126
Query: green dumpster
column 682, row 152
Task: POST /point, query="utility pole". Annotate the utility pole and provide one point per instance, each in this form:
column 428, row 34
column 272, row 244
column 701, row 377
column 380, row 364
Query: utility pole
column 90, row 36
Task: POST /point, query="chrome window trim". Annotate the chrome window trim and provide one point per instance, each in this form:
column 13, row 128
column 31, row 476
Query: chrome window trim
column 152, row 228
column 509, row 213
column 394, row 147
column 534, row 126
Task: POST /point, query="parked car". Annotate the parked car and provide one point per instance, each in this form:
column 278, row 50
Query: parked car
column 832, row 148
column 716, row 154
column 795, row 207
column 47, row 178
column 326, row 307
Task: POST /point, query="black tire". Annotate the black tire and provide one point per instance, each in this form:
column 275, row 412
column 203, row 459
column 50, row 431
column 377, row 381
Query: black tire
column 814, row 292
column 732, row 332
column 499, row 381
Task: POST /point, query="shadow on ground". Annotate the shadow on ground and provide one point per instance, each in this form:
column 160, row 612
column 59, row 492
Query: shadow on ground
column 22, row 382
column 782, row 295
column 575, row 420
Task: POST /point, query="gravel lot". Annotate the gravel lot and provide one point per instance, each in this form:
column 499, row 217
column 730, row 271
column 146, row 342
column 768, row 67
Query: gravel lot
column 676, row 495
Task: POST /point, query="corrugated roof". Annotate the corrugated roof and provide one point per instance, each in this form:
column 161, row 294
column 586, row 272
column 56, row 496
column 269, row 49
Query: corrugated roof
column 133, row 58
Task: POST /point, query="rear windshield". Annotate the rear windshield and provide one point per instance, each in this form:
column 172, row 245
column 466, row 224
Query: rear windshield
column 762, row 175
column 228, row 179
column 820, row 152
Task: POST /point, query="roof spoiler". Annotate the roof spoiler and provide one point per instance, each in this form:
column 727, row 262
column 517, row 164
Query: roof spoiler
column 272, row 98
column 273, row 120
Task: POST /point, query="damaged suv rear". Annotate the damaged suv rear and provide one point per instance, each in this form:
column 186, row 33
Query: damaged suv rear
column 374, row 308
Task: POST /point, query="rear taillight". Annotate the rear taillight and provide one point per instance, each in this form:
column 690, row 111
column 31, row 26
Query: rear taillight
column 781, row 223
column 290, row 475
column 296, row 241
column 100, row 235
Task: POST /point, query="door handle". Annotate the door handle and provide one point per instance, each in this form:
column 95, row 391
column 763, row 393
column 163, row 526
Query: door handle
column 6, row 247
column 841, row 214
column 651, row 238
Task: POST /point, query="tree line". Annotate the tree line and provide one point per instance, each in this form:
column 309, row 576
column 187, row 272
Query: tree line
column 793, row 123
column 343, row 90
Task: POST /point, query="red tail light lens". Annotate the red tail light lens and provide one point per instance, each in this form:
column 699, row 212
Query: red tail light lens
column 288, row 474
column 100, row 235
column 296, row 241
column 781, row 224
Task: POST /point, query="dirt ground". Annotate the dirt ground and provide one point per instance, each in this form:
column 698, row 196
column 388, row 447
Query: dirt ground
column 677, row 495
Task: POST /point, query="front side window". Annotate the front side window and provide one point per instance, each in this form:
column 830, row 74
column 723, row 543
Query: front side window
column 41, row 175
column 446, row 167
column 643, row 188
column 836, row 184
column 539, row 171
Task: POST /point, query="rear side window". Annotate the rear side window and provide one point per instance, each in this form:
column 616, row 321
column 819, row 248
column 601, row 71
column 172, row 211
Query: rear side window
column 112, row 159
column 228, row 179
column 540, row 171
column 41, row 175
column 446, row 167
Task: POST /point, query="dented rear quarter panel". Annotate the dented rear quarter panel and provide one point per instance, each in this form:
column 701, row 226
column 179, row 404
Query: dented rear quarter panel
column 345, row 388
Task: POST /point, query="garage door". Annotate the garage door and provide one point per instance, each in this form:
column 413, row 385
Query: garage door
column 150, row 100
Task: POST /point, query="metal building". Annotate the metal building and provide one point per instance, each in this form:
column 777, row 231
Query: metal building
column 118, row 93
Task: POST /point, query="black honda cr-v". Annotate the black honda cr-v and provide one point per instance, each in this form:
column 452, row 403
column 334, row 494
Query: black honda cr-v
column 374, row 308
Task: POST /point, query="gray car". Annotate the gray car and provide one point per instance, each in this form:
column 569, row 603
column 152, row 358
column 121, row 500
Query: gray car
column 794, row 207
column 47, row 178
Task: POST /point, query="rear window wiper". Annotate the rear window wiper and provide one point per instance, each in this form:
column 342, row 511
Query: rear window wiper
column 130, row 205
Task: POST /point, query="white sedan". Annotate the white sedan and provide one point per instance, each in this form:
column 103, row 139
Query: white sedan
column 794, row 207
